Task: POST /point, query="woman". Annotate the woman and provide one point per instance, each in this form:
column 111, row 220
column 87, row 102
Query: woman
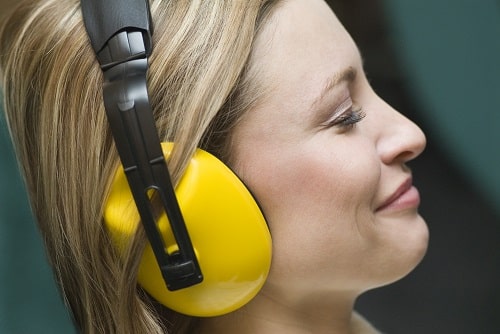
column 291, row 112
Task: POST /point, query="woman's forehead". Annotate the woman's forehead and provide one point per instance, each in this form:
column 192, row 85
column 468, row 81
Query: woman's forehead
column 300, row 48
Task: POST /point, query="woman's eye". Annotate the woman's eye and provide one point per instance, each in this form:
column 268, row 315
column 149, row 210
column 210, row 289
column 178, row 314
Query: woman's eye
column 348, row 119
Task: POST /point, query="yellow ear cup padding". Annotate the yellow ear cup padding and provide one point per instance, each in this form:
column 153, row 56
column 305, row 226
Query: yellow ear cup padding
column 227, row 229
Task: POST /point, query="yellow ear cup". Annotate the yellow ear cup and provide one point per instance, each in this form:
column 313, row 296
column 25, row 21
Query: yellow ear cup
column 227, row 229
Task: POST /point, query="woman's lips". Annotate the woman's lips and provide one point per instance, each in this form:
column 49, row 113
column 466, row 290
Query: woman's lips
column 405, row 197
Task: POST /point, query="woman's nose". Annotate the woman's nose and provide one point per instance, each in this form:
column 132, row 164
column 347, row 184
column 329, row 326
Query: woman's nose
column 401, row 140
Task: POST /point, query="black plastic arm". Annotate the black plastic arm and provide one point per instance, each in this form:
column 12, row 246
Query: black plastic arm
column 124, row 63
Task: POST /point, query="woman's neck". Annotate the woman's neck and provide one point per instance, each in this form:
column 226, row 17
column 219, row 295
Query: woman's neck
column 268, row 313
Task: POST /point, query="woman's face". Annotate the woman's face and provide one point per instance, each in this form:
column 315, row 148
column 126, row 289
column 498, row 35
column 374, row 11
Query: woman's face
column 331, row 179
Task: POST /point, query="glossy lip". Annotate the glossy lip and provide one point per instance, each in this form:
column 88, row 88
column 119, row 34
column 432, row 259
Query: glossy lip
column 405, row 197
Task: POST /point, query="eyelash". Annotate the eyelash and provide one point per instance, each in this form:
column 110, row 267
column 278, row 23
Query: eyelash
column 348, row 120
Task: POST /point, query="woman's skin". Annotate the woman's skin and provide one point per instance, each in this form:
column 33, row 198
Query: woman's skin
column 331, row 178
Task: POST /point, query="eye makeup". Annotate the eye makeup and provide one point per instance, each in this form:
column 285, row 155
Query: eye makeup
column 345, row 116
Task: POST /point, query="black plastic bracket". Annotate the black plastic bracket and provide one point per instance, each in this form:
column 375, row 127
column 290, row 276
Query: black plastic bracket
column 123, row 58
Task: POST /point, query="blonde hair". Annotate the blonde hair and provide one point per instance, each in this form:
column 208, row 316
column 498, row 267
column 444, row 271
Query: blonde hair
column 200, row 83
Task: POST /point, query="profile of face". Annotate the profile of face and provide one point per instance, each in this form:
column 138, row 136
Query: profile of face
column 326, row 159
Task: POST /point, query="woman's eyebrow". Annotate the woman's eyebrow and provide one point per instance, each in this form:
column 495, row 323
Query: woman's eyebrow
column 347, row 75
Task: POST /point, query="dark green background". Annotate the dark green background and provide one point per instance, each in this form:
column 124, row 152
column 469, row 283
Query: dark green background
column 450, row 50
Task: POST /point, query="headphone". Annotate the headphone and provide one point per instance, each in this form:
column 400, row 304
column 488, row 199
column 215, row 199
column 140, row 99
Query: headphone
column 209, row 249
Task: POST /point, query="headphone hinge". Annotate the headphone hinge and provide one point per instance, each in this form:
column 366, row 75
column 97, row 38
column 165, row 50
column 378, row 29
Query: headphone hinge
column 123, row 47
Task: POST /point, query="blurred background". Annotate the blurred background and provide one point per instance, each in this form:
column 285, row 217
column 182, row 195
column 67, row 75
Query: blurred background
column 436, row 61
